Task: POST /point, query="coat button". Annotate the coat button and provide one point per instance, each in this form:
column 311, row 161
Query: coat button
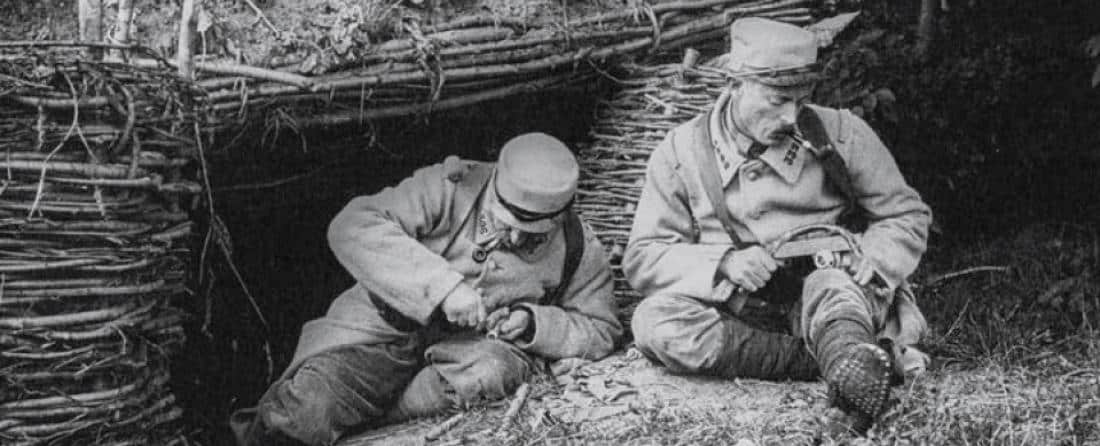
column 752, row 175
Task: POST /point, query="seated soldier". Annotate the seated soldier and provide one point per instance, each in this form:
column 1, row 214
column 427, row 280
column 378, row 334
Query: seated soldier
column 733, row 180
column 460, row 250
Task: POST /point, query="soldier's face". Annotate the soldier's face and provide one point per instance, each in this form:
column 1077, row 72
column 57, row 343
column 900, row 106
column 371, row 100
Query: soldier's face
column 767, row 114
column 517, row 238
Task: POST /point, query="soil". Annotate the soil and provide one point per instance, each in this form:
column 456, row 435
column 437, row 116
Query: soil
column 617, row 394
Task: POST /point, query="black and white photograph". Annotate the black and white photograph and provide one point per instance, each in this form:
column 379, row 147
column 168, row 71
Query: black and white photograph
column 549, row 222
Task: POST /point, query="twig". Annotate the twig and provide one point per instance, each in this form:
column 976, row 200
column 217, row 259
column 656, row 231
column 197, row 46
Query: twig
column 260, row 13
column 270, row 184
column 977, row 269
column 517, row 403
column 349, row 117
column 443, row 427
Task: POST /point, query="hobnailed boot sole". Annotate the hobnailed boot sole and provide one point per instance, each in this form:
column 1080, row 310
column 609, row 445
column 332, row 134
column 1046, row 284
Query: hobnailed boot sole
column 860, row 381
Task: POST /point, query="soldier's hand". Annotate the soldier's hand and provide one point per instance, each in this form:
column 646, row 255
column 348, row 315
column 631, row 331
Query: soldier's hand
column 514, row 326
column 494, row 319
column 863, row 271
column 750, row 268
column 463, row 307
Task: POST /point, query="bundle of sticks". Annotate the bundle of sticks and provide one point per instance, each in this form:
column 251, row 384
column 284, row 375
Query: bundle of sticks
column 476, row 58
column 94, row 233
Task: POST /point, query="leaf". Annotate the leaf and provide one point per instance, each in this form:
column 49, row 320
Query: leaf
column 826, row 30
column 204, row 21
column 1092, row 46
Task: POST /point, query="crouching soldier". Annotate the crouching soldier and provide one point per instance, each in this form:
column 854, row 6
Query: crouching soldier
column 724, row 186
column 466, row 273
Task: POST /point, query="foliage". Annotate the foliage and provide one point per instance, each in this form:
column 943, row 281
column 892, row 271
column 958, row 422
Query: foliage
column 1092, row 48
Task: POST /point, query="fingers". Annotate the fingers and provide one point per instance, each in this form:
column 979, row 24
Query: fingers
column 494, row 319
column 864, row 272
column 514, row 326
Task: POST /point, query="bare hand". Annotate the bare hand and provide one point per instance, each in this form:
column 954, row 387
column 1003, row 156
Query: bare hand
column 463, row 307
column 513, row 327
column 863, row 271
column 494, row 319
column 750, row 268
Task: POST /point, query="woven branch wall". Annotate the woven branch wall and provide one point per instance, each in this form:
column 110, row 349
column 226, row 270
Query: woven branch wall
column 95, row 247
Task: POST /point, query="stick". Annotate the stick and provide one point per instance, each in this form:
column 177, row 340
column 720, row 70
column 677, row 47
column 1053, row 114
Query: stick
column 517, row 403
column 271, row 26
column 926, row 28
column 348, row 117
column 90, row 24
column 255, row 73
column 122, row 28
column 977, row 269
column 443, row 427
column 101, row 171
column 183, row 53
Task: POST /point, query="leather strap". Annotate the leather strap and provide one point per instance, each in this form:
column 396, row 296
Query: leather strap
column 836, row 170
column 712, row 184
column 574, row 252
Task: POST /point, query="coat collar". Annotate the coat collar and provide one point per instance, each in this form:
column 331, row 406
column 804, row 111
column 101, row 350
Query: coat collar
column 729, row 144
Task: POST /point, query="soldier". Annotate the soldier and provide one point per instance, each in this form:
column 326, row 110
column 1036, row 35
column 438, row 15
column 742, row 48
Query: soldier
column 745, row 156
column 459, row 249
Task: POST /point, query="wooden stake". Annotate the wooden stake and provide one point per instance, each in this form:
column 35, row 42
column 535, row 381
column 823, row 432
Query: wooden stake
column 122, row 28
column 90, row 23
column 184, row 59
column 926, row 28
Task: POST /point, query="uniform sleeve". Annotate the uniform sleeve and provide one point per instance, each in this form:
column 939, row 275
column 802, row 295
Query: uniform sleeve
column 662, row 255
column 897, row 233
column 375, row 238
column 585, row 323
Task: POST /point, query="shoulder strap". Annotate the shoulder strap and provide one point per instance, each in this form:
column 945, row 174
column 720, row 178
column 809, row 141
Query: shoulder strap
column 836, row 171
column 712, row 184
column 574, row 252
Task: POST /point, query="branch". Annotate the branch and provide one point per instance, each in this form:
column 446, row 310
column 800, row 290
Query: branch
column 90, row 23
column 977, row 269
column 184, row 60
column 442, row 428
column 122, row 27
column 517, row 403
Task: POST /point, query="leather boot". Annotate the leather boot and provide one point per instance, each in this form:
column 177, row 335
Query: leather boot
column 858, row 371
column 259, row 433
column 428, row 394
column 750, row 352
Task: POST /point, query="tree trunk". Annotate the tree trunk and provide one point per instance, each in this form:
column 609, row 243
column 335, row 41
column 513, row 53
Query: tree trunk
column 187, row 26
column 122, row 28
column 90, row 23
column 926, row 28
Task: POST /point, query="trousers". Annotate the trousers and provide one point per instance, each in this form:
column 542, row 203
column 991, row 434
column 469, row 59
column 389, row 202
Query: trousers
column 694, row 337
column 368, row 384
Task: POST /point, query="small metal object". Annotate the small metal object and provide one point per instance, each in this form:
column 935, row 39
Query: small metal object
column 480, row 255
column 494, row 333
column 825, row 259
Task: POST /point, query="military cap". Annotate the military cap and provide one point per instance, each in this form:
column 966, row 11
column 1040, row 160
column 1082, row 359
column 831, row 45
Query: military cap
column 772, row 53
column 535, row 181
